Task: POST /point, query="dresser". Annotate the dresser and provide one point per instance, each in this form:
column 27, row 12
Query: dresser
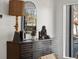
column 20, row 50
column 30, row 49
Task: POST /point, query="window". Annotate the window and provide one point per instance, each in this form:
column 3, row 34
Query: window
column 70, row 31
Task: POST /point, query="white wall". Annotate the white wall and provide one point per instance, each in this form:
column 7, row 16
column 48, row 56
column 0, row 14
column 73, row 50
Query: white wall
column 59, row 24
column 6, row 28
column 45, row 16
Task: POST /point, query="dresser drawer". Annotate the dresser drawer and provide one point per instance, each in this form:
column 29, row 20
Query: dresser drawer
column 26, row 50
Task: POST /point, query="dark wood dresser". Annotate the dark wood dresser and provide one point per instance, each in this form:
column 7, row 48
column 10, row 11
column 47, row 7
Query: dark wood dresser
column 30, row 49
column 20, row 50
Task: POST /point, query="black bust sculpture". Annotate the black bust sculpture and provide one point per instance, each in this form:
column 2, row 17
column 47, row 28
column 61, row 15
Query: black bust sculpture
column 43, row 33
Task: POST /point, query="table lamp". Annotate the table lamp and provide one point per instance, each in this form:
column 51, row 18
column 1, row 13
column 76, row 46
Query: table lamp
column 16, row 8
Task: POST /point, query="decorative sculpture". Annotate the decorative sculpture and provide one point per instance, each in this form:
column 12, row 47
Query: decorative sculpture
column 43, row 33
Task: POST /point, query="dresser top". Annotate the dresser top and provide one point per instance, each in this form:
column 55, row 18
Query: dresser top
column 31, row 41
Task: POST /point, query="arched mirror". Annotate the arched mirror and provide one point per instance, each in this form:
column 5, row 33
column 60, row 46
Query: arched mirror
column 70, row 31
column 28, row 22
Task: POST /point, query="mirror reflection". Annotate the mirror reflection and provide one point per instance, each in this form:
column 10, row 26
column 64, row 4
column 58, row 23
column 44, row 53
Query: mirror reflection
column 30, row 18
column 28, row 22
